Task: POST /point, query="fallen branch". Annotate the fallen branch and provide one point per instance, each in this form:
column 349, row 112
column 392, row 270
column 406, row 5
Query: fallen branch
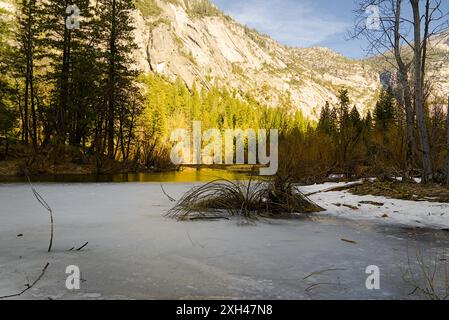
column 323, row 271
column 349, row 241
column 211, row 218
column 167, row 195
column 373, row 203
column 28, row 286
column 82, row 247
column 339, row 188
column 194, row 243
column 313, row 286
column 42, row 201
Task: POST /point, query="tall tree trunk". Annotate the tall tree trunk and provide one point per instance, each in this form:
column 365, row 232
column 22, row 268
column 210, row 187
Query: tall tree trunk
column 111, row 127
column 19, row 104
column 447, row 146
column 29, row 91
column 33, row 106
column 7, row 144
column 409, row 115
column 131, row 128
column 111, row 85
column 30, row 67
column 425, row 42
column 419, row 94
column 406, row 94
column 121, row 132
column 64, row 88
column 26, row 97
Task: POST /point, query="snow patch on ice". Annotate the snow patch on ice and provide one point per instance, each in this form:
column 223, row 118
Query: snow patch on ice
column 410, row 213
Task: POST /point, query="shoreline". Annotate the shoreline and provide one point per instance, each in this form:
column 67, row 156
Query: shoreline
column 182, row 174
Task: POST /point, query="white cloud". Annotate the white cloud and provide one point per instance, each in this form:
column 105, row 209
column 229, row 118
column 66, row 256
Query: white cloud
column 288, row 21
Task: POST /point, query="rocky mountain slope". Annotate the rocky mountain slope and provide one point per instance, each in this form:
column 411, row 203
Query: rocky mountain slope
column 194, row 41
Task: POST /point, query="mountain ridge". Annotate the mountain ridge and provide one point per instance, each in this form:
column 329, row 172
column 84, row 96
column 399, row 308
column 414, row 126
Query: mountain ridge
column 214, row 48
column 196, row 42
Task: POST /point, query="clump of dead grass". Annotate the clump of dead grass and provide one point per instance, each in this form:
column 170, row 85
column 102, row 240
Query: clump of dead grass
column 272, row 198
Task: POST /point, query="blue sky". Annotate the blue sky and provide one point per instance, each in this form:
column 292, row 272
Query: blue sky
column 301, row 23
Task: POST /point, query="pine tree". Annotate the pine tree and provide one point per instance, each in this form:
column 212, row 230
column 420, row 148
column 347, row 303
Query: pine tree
column 334, row 120
column 354, row 129
column 8, row 114
column 384, row 112
column 28, row 31
column 5, row 52
column 367, row 129
column 64, row 45
column 368, row 123
column 343, row 111
column 116, row 36
column 326, row 123
column 355, row 119
column 343, row 120
column 84, row 89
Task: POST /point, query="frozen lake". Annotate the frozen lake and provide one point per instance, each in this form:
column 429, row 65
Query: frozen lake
column 136, row 253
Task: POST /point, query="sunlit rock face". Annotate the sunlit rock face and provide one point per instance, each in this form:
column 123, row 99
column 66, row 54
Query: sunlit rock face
column 212, row 48
column 192, row 40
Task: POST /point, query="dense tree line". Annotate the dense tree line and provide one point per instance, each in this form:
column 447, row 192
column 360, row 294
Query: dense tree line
column 71, row 82
column 7, row 110
column 69, row 75
column 342, row 140
column 402, row 35
column 373, row 144
column 75, row 86
column 169, row 106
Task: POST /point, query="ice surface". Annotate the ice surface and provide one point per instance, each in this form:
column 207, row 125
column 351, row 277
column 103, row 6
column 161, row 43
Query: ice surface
column 136, row 253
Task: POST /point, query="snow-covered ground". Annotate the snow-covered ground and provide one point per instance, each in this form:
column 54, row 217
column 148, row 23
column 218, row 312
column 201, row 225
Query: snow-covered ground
column 136, row 253
column 411, row 213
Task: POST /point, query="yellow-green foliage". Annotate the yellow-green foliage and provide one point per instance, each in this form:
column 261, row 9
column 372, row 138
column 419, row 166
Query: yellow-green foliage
column 148, row 8
column 175, row 2
column 202, row 8
column 7, row 113
column 189, row 56
column 170, row 106
column 256, row 37
column 236, row 69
